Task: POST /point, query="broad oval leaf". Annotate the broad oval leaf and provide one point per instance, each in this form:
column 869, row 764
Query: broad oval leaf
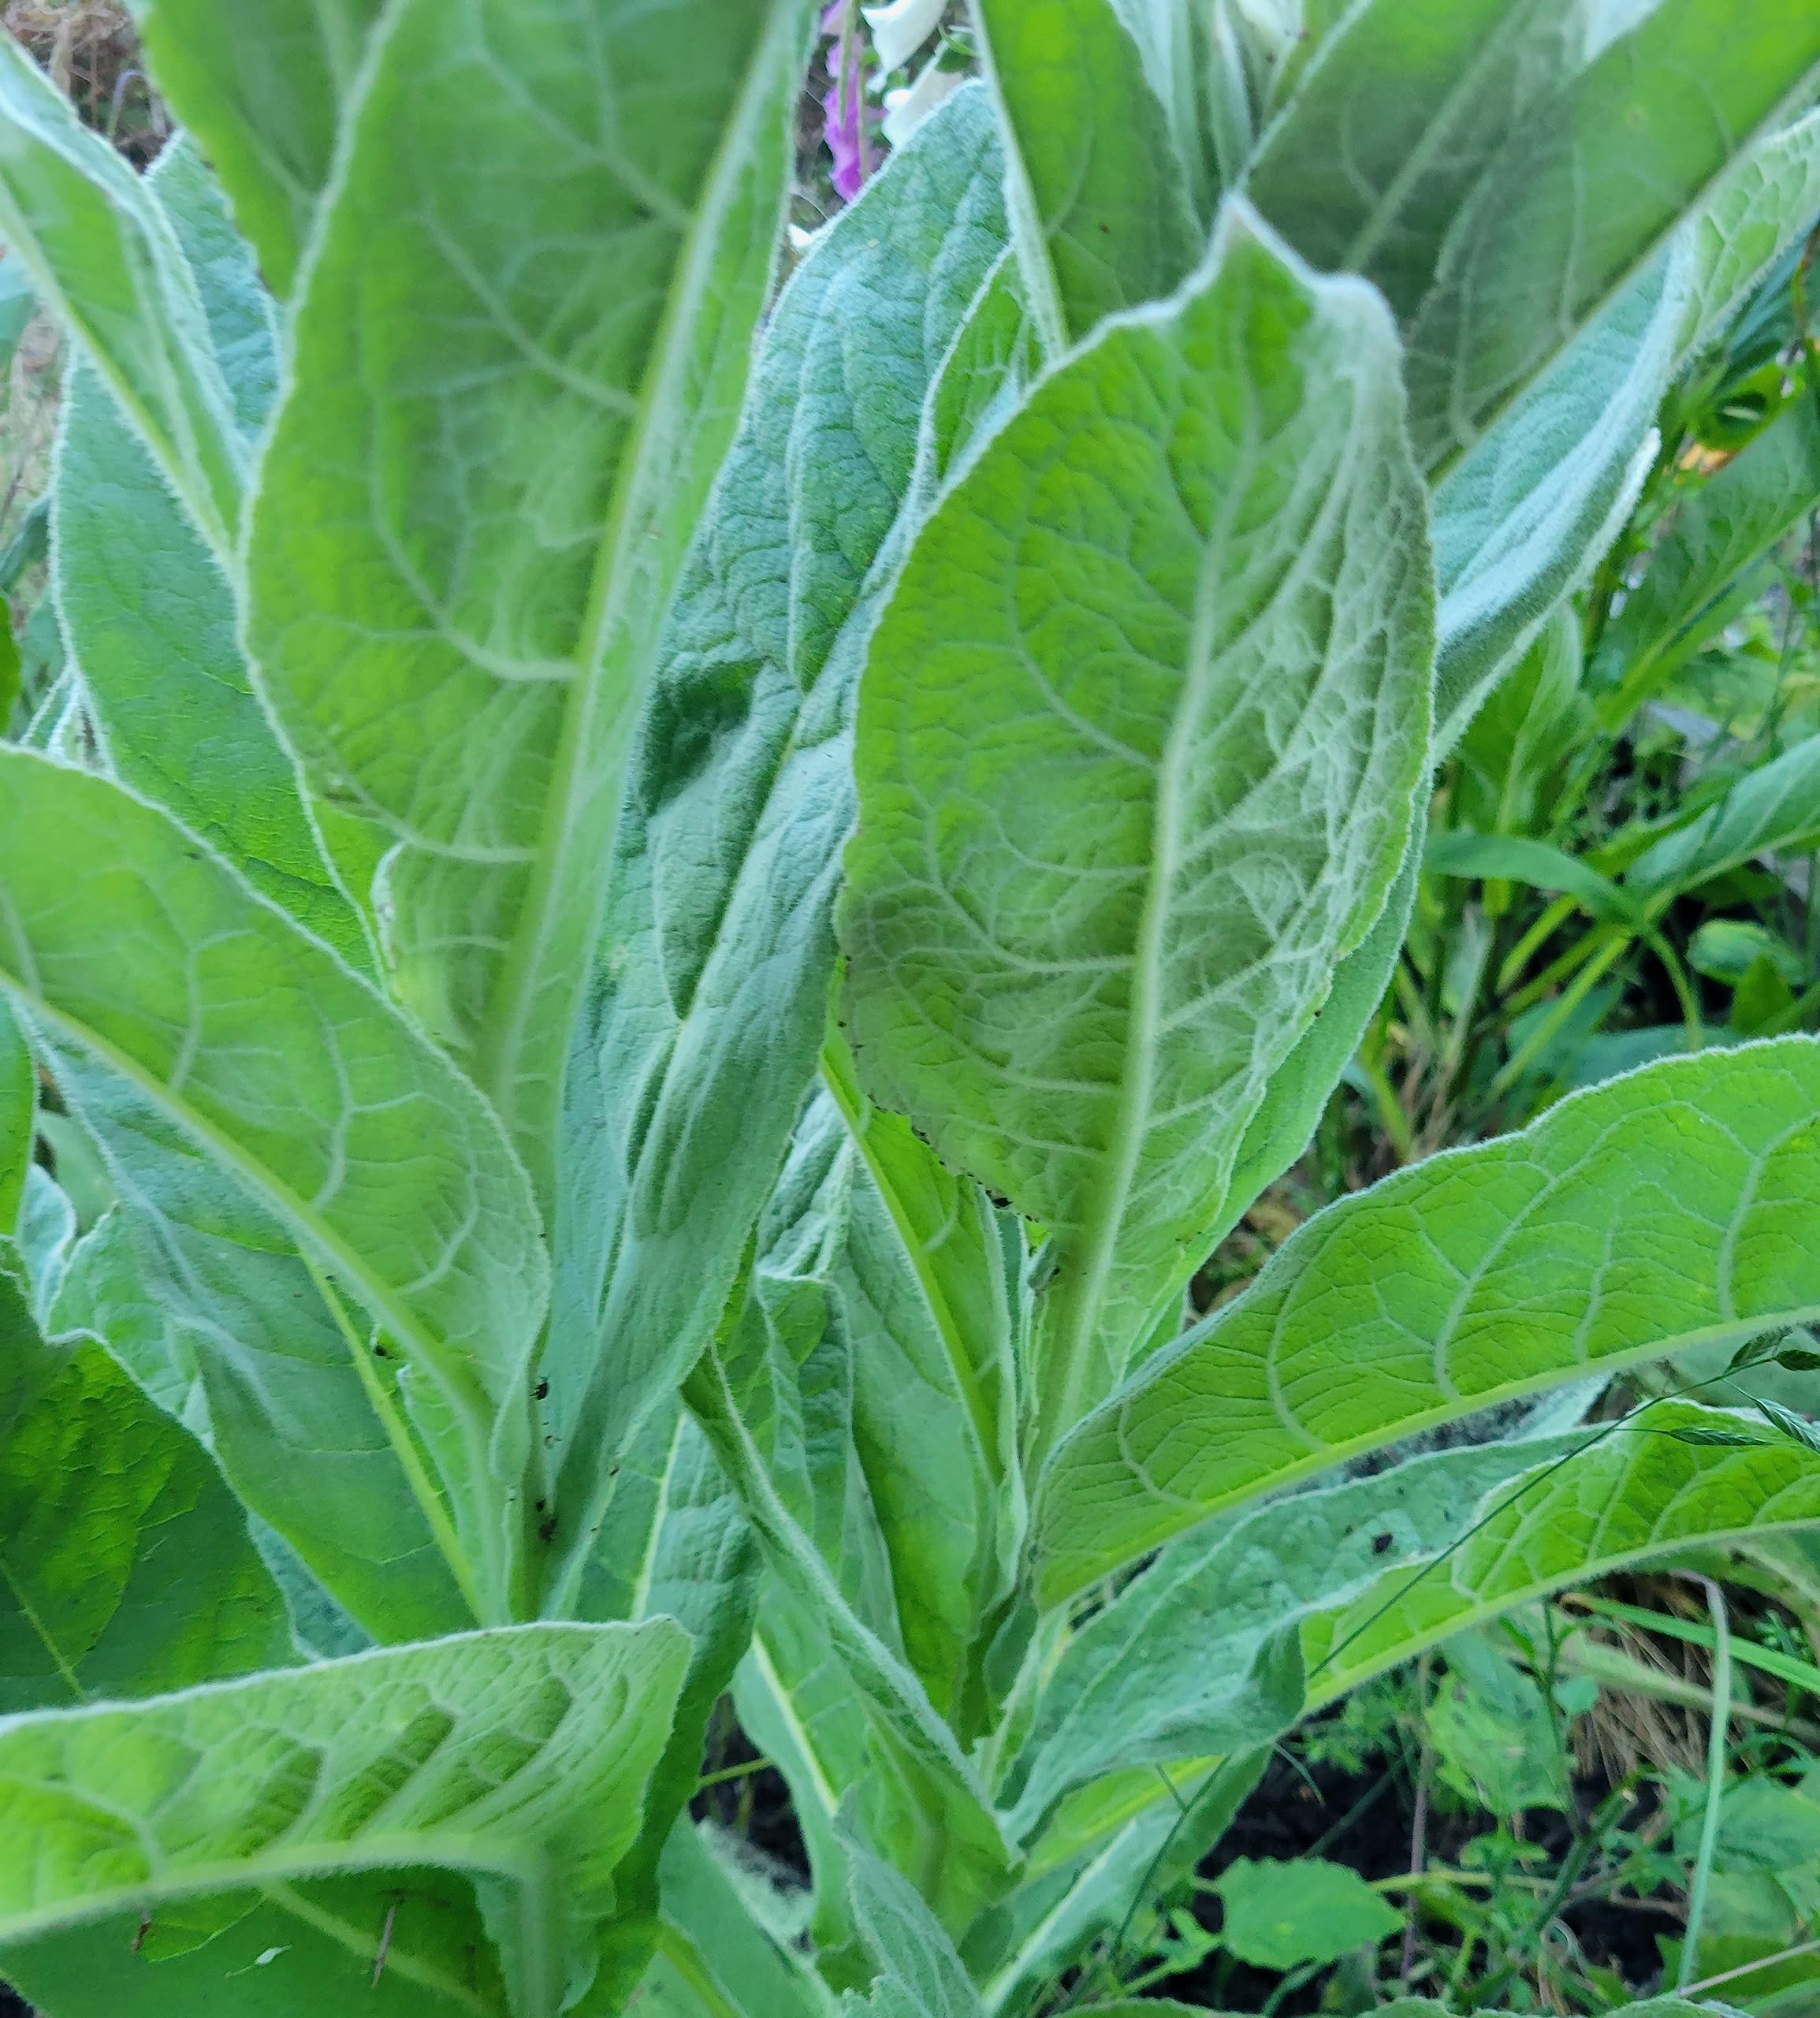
column 1140, row 733
column 1776, row 806
column 518, row 1757
column 1654, row 1486
column 347, row 1126
column 708, row 1000
column 1097, row 185
column 1645, row 1216
column 204, row 1297
column 263, row 88
column 1650, row 124
column 518, row 353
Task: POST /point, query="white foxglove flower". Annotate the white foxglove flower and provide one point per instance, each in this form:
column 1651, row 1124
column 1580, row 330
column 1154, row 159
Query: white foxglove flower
column 901, row 27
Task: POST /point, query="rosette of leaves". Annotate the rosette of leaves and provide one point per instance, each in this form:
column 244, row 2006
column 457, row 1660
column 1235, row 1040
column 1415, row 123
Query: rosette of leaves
column 677, row 916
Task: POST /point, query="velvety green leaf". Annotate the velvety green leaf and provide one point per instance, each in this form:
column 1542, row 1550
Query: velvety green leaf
column 149, row 621
column 709, row 999
column 1279, row 1914
column 1300, row 1087
column 1764, row 206
column 996, row 354
column 918, row 1748
column 205, row 1300
column 1701, row 572
column 675, row 1545
column 150, row 618
column 1521, row 858
column 106, row 260
column 18, row 1104
column 1650, row 124
column 1533, row 505
column 1098, row 189
column 920, row 1975
column 1393, row 118
column 880, row 1334
column 1091, row 904
column 296, row 1950
column 1642, row 1493
column 125, row 1567
column 517, row 358
column 1633, row 1220
column 241, row 315
column 1776, row 806
column 1171, row 1668
column 263, row 88
column 520, row 1756
column 153, row 956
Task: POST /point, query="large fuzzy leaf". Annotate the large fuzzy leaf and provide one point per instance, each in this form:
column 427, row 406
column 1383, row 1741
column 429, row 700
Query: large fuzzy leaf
column 923, row 1804
column 709, row 1000
column 676, row 1545
column 1169, row 1670
column 1651, row 126
column 1632, row 1221
column 920, row 1975
column 206, row 1299
column 149, row 618
column 153, row 956
column 1645, row 1492
column 518, row 354
column 1098, row 185
column 1527, row 513
column 1393, row 118
column 263, row 88
column 1139, row 736
column 125, row 1567
column 879, row 1339
column 105, row 257
column 518, row 1758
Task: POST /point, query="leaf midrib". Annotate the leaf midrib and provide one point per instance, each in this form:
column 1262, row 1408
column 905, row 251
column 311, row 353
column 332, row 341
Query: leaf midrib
column 593, row 737
column 1183, row 1515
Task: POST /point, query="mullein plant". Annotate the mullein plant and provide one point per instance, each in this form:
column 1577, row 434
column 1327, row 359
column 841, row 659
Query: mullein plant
column 678, row 918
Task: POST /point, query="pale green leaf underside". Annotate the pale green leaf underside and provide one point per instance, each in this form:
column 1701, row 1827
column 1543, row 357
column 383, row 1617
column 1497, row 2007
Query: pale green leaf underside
column 708, row 1000
column 1640, row 1494
column 1591, row 182
column 149, row 621
column 1138, row 738
column 518, row 1755
column 104, row 256
column 1632, row 1221
column 263, row 88
column 205, row 1299
column 964, row 1850
column 920, row 1975
column 1098, row 191
column 348, row 1127
column 520, row 345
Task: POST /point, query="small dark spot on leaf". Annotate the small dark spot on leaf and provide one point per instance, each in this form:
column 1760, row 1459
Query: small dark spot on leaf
column 541, row 1390
column 1379, row 1543
column 546, row 1528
